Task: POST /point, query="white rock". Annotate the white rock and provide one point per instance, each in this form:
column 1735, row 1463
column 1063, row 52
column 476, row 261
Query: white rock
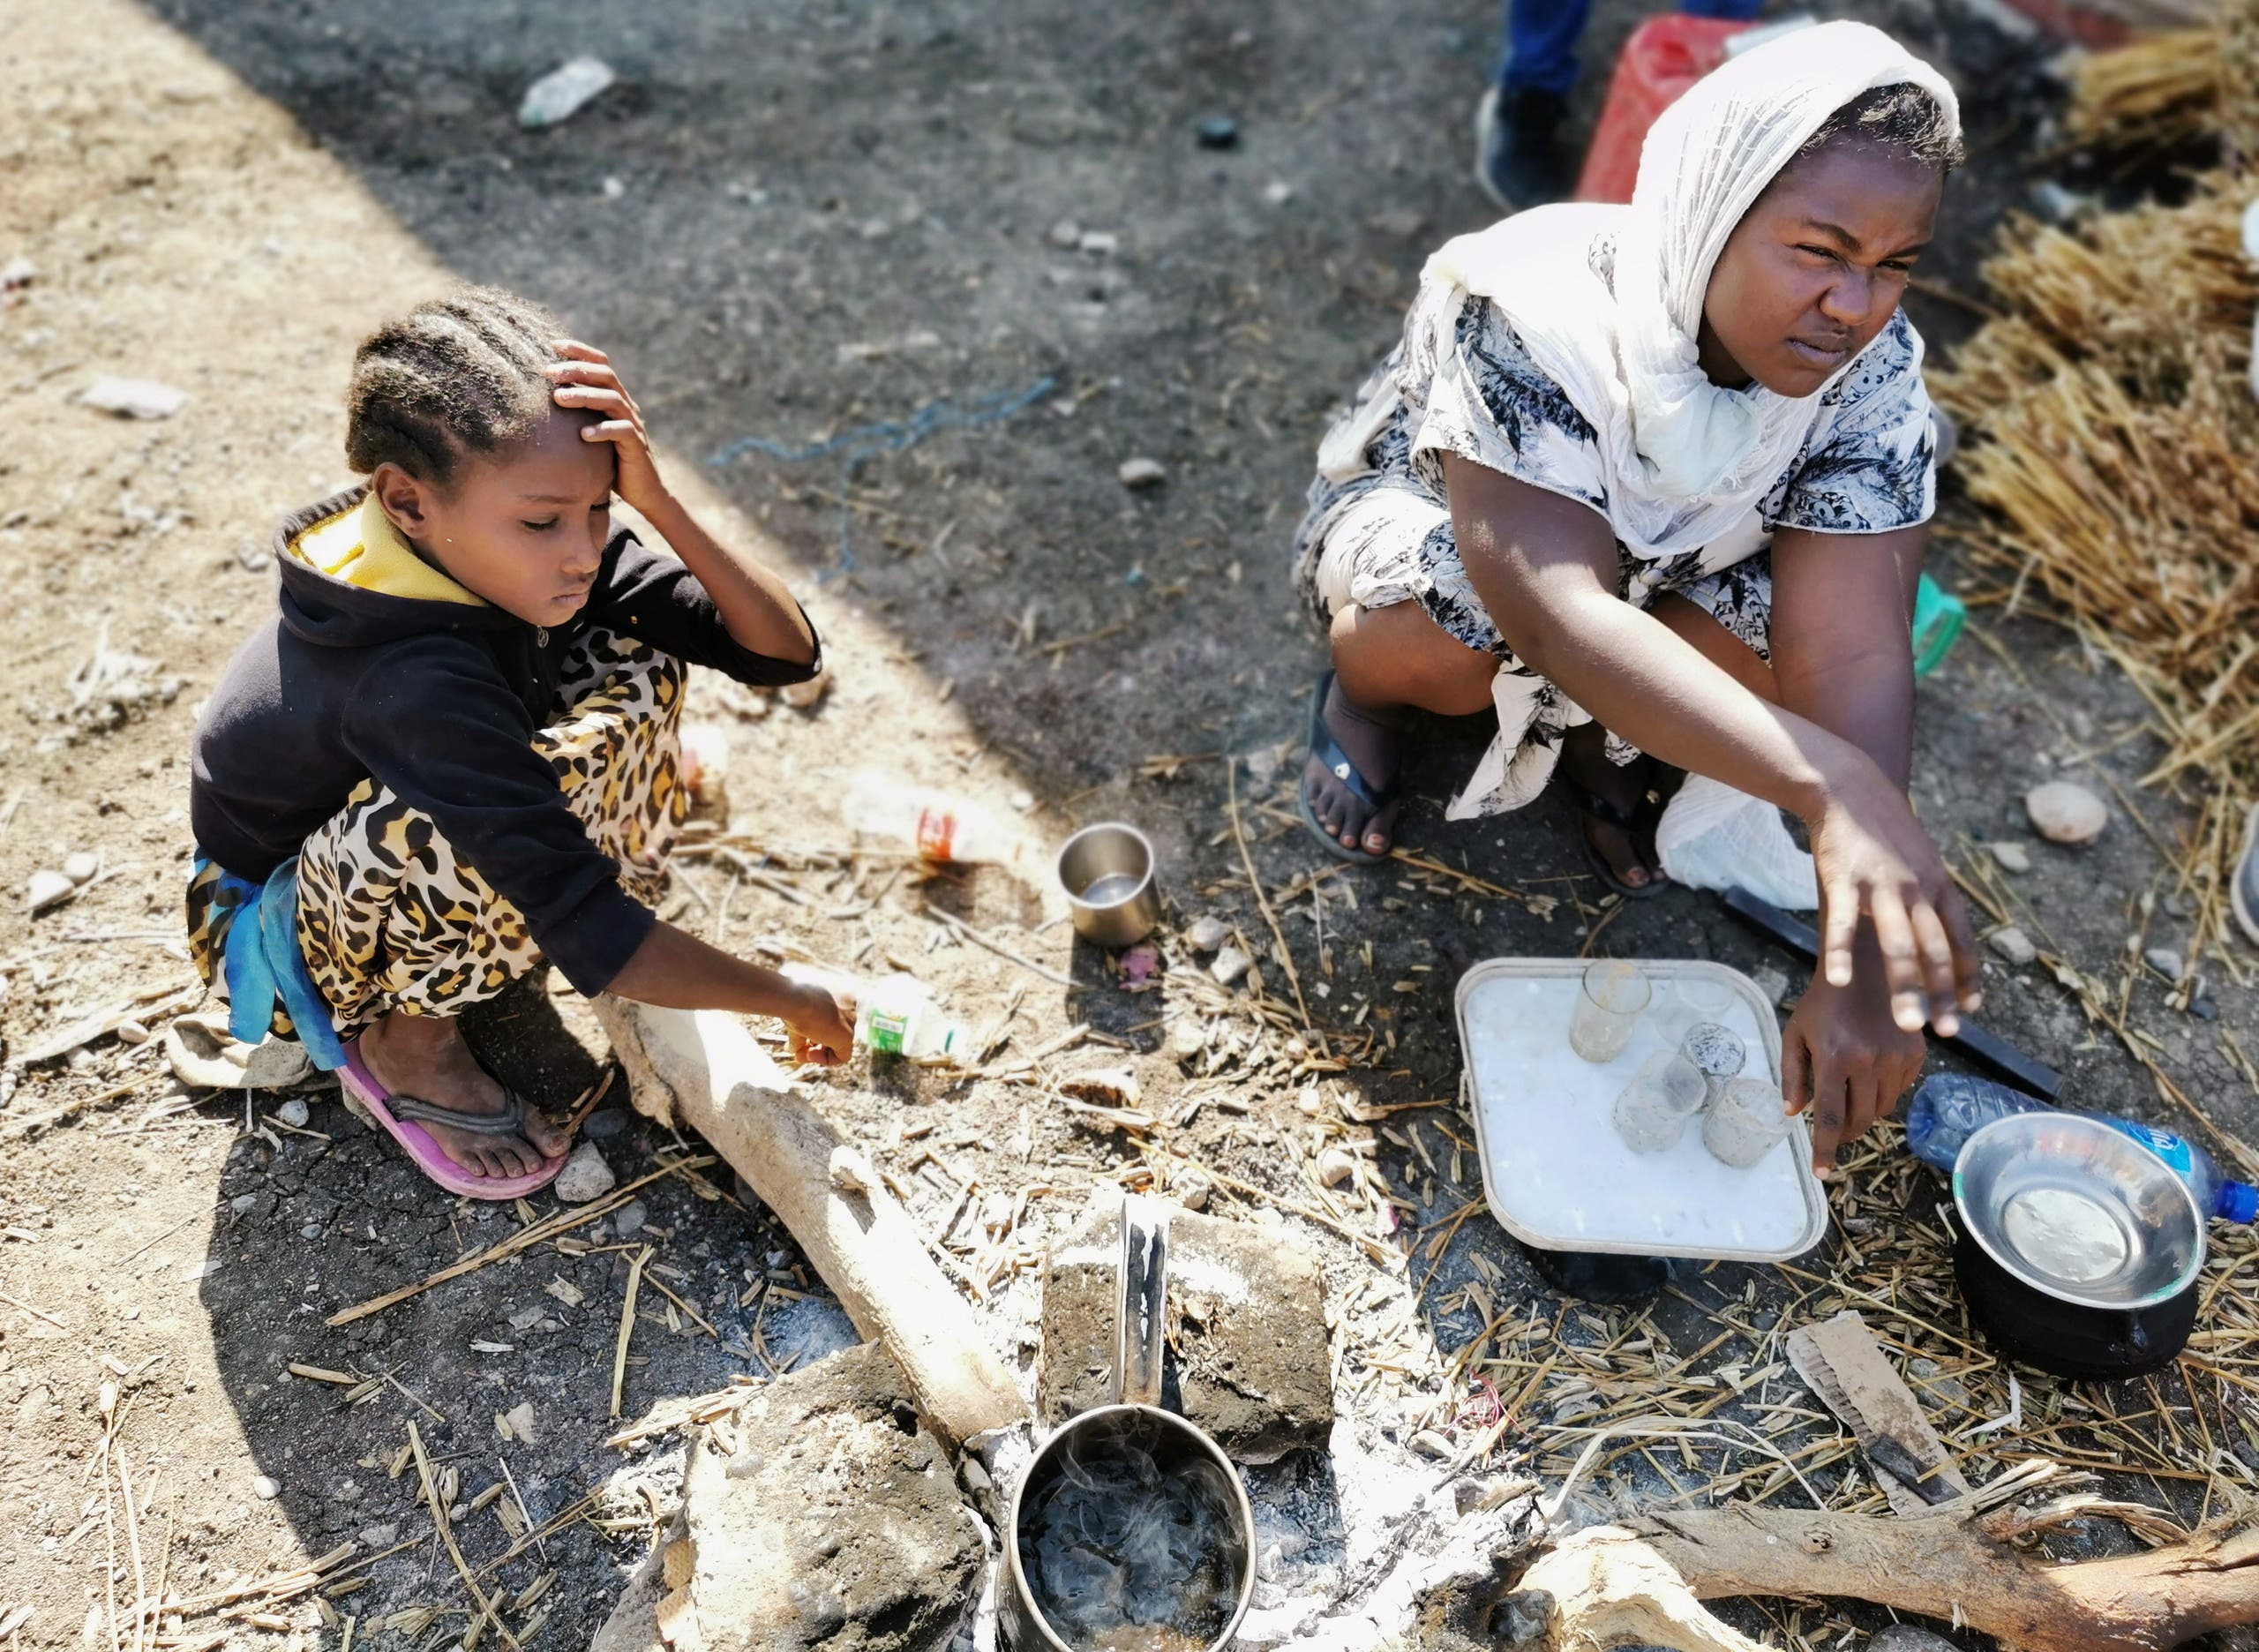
column 1278, row 191
column 1207, row 933
column 132, row 1032
column 46, row 889
column 264, row 1489
column 1771, row 982
column 1066, row 235
column 2065, row 813
column 1231, row 966
column 1193, row 1186
column 1100, row 242
column 2012, row 857
column 1187, row 1037
column 520, row 1417
column 1335, row 1166
column 630, row 1217
column 2165, row 962
column 133, row 398
column 564, row 91
column 17, row 273
column 2014, row 945
column 1022, row 800
column 294, row 1112
column 81, row 866
column 1142, row 473
column 585, row 1176
column 1428, row 1443
column 614, row 189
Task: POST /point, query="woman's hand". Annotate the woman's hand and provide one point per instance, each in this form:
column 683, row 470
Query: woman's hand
column 1844, row 1061
column 821, row 1021
column 586, row 380
column 1877, row 864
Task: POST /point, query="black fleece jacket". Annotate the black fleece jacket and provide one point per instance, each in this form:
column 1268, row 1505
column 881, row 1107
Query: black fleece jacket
column 440, row 703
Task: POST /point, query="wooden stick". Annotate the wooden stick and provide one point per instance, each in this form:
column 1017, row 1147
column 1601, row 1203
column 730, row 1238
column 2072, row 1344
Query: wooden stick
column 1262, row 902
column 626, row 1325
column 447, row 1538
column 705, row 1070
column 1948, row 1567
column 562, row 1222
column 36, row 1313
column 966, row 931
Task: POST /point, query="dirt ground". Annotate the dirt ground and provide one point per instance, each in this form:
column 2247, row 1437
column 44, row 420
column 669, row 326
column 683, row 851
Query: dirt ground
column 800, row 225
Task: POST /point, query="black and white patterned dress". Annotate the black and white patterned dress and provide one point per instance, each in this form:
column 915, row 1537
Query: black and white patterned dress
column 1463, row 384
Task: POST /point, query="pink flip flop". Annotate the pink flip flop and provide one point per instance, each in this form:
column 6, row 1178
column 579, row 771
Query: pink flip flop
column 397, row 1117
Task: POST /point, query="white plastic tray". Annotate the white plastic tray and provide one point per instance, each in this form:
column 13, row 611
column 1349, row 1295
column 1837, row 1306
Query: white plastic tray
column 1555, row 1171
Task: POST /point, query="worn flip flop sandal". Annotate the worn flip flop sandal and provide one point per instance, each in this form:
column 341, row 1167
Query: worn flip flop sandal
column 397, row 1114
column 1641, row 819
column 1328, row 751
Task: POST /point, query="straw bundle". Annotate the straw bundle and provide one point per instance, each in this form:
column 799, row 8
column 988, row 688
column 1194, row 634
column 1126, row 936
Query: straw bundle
column 2162, row 90
column 2169, row 89
column 2117, row 448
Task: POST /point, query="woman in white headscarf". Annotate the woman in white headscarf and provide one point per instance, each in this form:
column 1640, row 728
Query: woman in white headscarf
column 1651, row 482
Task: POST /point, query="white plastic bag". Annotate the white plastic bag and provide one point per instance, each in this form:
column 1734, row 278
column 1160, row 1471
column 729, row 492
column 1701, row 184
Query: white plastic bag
column 1714, row 838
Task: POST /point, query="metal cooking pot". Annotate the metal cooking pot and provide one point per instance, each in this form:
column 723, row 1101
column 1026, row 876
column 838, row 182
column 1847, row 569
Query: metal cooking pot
column 2078, row 1249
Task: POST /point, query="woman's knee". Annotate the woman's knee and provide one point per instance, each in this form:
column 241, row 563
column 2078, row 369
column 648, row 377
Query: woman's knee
column 1397, row 656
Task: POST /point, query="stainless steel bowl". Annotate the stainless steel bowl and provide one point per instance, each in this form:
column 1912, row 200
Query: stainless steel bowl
column 1107, row 872
column 2078, row 1211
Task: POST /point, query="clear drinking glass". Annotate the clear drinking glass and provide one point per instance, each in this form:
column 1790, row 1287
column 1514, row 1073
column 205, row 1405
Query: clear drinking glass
column 1692, row 999
column 1609, row 1004
column 1744, row 1122
column 1717, row 1053
column 1651, row 1114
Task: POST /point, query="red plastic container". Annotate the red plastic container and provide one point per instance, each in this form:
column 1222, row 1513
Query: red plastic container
column 1664, row 56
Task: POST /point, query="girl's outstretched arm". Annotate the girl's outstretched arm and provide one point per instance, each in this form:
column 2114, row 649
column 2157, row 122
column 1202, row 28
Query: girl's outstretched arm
column 754, row 602
column 675, row 970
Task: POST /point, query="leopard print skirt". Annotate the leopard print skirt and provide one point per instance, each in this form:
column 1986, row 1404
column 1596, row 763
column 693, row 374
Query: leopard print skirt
column 391, row 918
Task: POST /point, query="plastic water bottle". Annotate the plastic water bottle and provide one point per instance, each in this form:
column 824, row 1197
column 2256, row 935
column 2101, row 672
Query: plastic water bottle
column 896, row 1015
column 933, row 825
column 1950, row 1108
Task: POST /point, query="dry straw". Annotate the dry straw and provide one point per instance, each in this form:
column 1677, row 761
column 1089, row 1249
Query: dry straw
column 2115, row 436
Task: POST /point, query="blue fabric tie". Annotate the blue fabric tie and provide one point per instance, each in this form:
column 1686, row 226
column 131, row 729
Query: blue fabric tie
column 263, row 965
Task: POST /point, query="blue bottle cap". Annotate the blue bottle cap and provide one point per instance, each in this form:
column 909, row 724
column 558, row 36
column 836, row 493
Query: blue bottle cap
column 2237, row 1201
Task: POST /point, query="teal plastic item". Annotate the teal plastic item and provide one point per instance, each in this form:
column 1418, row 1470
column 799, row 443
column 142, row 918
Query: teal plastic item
column 1938, row 616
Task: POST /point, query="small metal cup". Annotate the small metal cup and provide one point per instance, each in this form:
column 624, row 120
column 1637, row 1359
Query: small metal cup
column 1107, row 873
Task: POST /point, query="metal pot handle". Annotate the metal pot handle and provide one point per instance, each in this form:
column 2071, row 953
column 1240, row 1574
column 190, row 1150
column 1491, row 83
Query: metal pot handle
column 1140, row 1320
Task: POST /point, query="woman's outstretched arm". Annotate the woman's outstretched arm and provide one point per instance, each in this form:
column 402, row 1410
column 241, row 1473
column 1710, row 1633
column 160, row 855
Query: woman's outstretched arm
column 1545, row 568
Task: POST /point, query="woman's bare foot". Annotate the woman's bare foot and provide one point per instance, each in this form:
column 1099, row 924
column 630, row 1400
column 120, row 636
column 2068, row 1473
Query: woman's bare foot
column 1584, row 760
column 424, row 1057
column 1369, row 738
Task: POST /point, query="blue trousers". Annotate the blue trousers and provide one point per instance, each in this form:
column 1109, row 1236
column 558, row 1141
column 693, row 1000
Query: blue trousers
column 1542, row 39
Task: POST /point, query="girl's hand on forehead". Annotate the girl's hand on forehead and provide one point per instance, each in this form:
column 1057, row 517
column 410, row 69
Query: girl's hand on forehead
column 586, row 380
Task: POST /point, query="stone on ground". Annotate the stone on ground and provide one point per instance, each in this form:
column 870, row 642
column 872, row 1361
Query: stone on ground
column 585, row 1176
column 2066, row 813
column 1248, row 1347
column 821, row 1514
column 2014, row 945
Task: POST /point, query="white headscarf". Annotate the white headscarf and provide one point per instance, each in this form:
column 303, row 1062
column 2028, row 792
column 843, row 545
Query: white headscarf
column 1685, row 458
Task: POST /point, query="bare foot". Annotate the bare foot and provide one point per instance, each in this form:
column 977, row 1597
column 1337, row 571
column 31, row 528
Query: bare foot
column 1630, row 856
column 424, row 1057
column 1369, row 738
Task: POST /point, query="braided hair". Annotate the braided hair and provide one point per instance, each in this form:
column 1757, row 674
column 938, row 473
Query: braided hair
column 455, row 376
column 1901, row 119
